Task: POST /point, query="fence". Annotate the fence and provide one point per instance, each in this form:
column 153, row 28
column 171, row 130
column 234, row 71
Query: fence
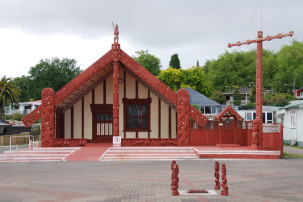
column 18, row 139
column 236, row 133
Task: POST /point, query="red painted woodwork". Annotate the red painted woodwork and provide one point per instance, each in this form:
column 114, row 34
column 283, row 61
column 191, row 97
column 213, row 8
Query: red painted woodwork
column 198, row 117
column 159, row 118
column 116, row 99
column 217, row 175
column 32, row 117
column 65, row 142
column 82, row 118
column 149, row 142
column 259, row 115
column 59, row 123
column 47, row 117
column 136, row 101
column 183, row 117
column 104, row 92
column 175, row 181
column 224, row 186
column 148, row 80
column 231, row 134
column 228, row 111
column 101, row 128
column 72, row 123
column 83, row 78
column 169, row 122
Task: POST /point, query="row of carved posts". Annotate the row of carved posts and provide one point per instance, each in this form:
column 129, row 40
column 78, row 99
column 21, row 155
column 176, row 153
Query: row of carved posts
column 224, row 186
column 175, row 179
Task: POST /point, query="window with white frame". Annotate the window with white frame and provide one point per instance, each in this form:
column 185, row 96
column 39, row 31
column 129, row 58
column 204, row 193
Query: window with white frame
column 293, row 119
column 267, row 116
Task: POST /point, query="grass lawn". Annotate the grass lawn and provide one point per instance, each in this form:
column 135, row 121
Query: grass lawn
column 288, row 155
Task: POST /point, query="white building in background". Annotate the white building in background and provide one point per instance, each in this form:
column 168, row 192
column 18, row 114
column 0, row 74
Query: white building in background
column 292, row 119
column 269, row 114
column 22, row 108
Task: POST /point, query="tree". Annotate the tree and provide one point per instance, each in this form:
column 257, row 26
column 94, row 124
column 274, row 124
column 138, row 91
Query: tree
column 236, row 96
column 218, row 97
column 149, row 61
column 279, row 99
column 171, row 77
column 9, row 93
column 289, row 68
column 235, row 68
column 174, row 61
column 193, row 77
column 53, row 73
column 23, row 83
column 198, row 64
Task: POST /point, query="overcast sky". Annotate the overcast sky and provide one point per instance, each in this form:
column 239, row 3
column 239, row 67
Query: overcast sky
column 31, row 30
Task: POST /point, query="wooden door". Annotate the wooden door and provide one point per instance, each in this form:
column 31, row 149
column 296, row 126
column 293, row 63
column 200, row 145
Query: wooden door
column 102, row 122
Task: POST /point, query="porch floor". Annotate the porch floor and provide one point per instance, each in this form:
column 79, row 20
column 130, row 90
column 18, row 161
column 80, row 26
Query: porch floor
column 242, row 152
column 90, row 152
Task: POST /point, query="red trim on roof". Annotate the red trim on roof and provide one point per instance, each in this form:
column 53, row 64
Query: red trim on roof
column 230, row 110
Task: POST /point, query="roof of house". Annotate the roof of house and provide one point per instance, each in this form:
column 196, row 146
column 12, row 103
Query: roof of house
column 242, row 91
column 99, row 71
column 199, row 99
column 31, row 102
column 294, row 104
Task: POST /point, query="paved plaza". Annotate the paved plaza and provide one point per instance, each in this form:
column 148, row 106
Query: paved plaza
column 248, row 180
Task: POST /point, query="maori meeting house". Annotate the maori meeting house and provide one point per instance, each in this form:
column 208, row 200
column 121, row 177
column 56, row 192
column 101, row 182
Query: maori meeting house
column 116, row 96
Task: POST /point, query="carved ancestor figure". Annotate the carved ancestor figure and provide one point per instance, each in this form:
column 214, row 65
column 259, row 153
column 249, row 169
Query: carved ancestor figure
column 116, row 33
column 175, row 181
column 224, row 192
column 217, row 175
column 255, row 131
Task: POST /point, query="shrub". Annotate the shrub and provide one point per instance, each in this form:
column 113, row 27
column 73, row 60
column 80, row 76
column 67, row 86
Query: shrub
column 17, row 116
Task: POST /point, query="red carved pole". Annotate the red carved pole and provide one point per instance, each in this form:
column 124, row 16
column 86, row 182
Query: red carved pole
column 116, row 99
column 217, row 175
column 47, row 117
column 175, row 181
column 259, row 87
column 259, row 114
column 224, row 192
column 116, row 50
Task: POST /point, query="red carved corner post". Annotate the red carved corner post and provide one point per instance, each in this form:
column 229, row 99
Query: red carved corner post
column 183, row 117
column 47, row 117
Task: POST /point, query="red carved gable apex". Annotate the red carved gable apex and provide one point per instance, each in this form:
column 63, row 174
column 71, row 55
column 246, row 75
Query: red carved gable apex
column 229, row 109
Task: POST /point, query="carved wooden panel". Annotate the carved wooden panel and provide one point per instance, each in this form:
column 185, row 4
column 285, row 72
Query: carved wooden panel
column 63, row 142
column 32, row 117
column 149, row 142
column 198, row 117
column 183, row 117
column 47, row 117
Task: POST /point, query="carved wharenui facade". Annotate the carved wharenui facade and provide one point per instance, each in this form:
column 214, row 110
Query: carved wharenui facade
column 115, row 96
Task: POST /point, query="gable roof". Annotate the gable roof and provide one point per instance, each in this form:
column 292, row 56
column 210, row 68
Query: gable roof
column 199, row 99
column 231, row 111
column 81, row 85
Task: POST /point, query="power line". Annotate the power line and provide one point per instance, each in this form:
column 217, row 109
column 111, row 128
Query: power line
column 252, row 17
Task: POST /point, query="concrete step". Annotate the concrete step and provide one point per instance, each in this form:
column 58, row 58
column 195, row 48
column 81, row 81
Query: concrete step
column 37, row 154
column 149, row 153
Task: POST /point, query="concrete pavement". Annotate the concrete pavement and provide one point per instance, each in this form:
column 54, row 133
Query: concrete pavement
column 248, row 180
column 293, row 150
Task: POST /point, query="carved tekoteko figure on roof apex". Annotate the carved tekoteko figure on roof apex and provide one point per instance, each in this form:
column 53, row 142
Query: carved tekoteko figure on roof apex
column 116, row 33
